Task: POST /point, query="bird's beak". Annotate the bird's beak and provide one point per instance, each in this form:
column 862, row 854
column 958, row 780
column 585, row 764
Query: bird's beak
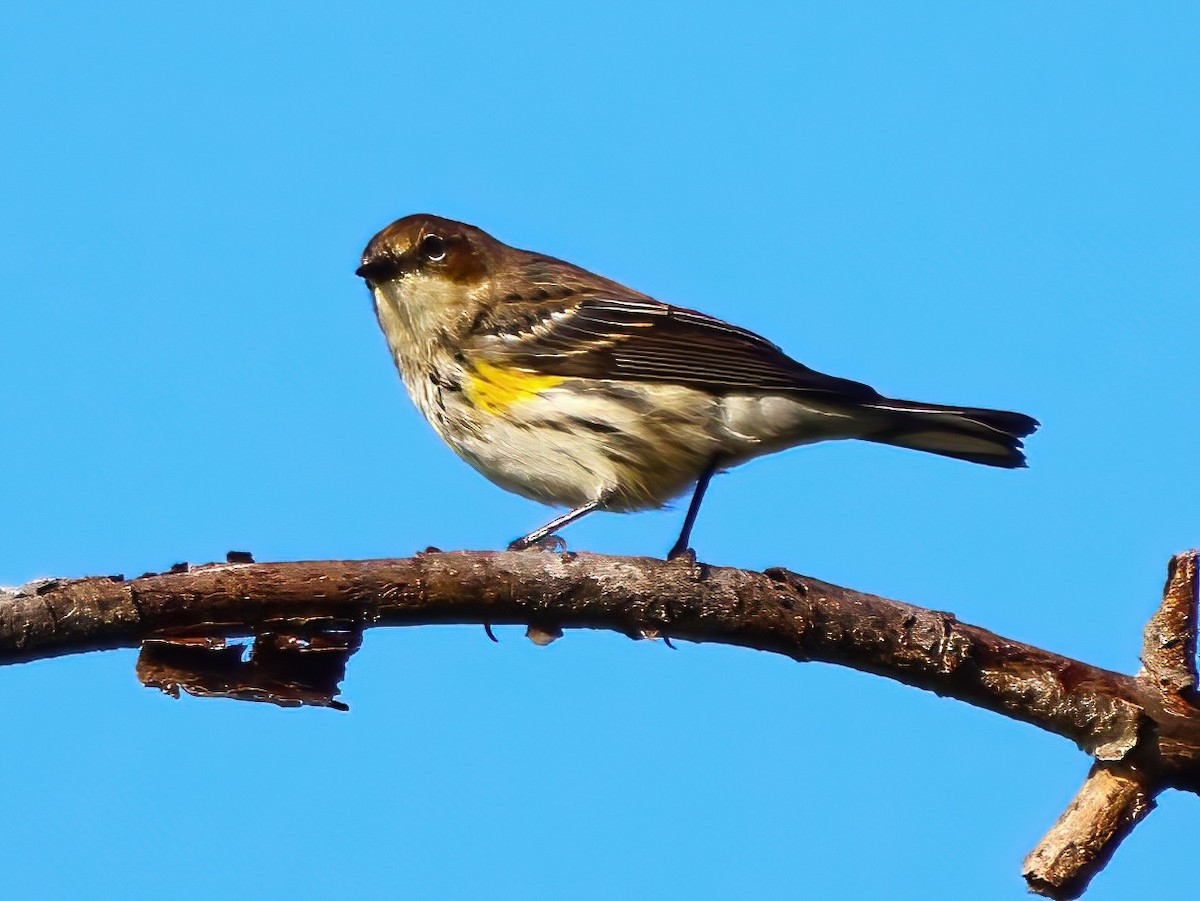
column 379, row 268
column 369, row 270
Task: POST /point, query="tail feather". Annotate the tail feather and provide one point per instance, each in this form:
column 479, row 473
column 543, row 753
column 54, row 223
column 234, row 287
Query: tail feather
column 991, row 437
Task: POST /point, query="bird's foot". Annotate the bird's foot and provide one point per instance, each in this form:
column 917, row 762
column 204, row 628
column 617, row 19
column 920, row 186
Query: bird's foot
column 682, row 552
column 551, row 543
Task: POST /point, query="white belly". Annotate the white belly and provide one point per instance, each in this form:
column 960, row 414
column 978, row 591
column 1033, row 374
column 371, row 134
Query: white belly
column 586, row 441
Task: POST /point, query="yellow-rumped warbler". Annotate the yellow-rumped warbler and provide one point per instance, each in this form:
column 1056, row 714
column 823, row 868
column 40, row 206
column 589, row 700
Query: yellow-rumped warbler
column 570, row 389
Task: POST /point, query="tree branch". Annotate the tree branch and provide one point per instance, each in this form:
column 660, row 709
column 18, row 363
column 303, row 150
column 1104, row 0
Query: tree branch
column 1169, row 643
column 1143, row 731
column 1114, row 798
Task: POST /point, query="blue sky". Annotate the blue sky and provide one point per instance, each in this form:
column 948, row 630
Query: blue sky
column 990, row 204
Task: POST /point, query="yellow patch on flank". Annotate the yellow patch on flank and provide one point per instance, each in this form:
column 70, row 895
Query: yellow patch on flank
column 494, row 389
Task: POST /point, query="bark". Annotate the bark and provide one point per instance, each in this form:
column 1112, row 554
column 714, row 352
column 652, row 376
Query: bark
column 1143, row 731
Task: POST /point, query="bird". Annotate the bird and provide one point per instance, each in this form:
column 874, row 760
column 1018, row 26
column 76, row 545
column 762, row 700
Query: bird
column 570, row 389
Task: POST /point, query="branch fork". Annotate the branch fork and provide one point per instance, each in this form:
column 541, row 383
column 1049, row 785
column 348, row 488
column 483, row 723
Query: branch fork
column 1118, row 793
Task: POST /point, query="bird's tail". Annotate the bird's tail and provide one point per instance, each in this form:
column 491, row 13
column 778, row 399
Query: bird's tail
column 991, row 437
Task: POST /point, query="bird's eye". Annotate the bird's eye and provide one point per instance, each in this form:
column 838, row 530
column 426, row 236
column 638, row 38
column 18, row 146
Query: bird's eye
column 433, row 248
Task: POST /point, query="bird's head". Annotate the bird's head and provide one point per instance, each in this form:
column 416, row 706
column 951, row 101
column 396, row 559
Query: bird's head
column 428, row 246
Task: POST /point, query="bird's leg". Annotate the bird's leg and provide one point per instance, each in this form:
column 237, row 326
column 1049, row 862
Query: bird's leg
column 685, row 534
column 539, row 536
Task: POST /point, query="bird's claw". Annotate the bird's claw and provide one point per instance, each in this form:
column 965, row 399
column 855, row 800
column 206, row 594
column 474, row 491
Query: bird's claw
column 685, row 554
column 552, row 543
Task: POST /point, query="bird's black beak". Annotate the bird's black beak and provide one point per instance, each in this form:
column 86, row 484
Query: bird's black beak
column 369, row 270
column 379, row 269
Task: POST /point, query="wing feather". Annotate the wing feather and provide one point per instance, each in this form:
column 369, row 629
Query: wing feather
column 601, row 330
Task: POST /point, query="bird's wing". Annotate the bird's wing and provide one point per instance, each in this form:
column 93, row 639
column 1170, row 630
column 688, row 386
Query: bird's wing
column 610, row 334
